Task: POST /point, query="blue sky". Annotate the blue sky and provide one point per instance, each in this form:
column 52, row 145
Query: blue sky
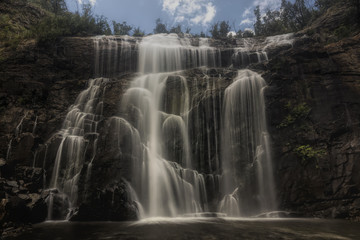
column 197, row 14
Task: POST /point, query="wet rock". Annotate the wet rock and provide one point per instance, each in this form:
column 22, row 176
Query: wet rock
column 112, row 203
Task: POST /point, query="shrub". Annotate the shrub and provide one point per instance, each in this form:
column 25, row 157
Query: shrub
column 296, row 112
column 307, row 153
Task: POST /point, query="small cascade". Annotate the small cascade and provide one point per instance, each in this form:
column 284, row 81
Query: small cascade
column 230, row 204
column 112, row 55
column 279, row 40
column 245, row 151
column 8, row 152
column 248, row 53
column 256, row 51
column 35, row 125
column 34, row 160
column 79, row 127
column 168, row 52
column 18, row 129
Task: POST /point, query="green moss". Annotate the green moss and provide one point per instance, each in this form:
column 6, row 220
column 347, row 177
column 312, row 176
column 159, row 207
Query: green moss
column 299, row 111
column 308, row 154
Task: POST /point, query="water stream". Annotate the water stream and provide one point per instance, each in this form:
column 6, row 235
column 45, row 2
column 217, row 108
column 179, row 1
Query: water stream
column 196, row 144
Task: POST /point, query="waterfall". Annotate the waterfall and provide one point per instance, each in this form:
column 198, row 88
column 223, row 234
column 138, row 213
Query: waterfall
column 186, row 144
column 247, row 176
column 79, row 127
column 168, row 185
column 112, row 55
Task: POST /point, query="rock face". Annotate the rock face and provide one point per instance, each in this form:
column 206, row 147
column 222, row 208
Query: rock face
column 314, row 102
column 313, row 107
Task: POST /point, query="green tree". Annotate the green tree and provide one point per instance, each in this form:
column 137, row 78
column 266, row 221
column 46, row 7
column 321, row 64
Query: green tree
column 258, row 26
column 296, row 16
column 248, row 33
column 160, row 27
column 176, row 29
column 54, row 6
column 138, row 32
column 121, row 28
column 220, row 29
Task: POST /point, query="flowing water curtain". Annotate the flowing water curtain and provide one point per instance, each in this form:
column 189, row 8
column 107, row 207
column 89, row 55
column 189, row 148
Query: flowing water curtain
column 169, row 187
column 247, row 176
column 112, row 55
column 78, row 131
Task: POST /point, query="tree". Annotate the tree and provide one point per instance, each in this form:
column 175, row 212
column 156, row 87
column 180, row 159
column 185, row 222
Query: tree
column 248, row 33
column 138, row 32
column 54, row 6
column 220, row 29
column 258, row 26
column 160, row 27
column 121, row 28
column 176, row 29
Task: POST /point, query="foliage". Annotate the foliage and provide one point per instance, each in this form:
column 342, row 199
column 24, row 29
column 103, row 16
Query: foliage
column 248, row 33
column 296, row 15
column 138, row 32
column 220, row 29
column 160, row 27
column 54, row 6
column 71, row 24
column 307, row 153
column 176, row 29
column 121, row 28
column 323, row 5
column 296, row 112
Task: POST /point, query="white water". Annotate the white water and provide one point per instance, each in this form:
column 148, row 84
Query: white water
column 246, row 152
column 35, row 125
column 81, row 122
column 112, row 55
column 154, row 124
column 8, row 152
column 18, row 129
column 167, row 185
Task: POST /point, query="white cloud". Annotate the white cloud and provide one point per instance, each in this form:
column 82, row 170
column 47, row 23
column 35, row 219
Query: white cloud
column 170, row 5
column 246, row 21
column 248, row 15
column 267, row 4
column 193, row 11
column 247, row 12
column 92, row 2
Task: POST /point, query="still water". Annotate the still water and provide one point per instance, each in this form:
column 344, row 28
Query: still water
column 197, row 228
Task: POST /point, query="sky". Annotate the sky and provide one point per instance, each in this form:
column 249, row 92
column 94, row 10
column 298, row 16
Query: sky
column 199, row 15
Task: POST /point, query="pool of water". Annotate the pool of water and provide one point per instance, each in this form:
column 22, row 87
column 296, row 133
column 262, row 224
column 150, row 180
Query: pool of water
column 196, row 228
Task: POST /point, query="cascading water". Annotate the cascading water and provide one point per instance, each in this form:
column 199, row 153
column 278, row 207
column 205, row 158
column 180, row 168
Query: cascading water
column 79, row 129
column 193, row 147
column 247, row 180
column 167, row 186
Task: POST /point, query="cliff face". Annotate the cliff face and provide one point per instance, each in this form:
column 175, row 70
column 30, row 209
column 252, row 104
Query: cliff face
column 312, row 108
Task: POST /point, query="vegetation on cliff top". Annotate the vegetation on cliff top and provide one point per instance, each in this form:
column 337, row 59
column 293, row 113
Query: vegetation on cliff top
column 293, row 17
column 46, row 20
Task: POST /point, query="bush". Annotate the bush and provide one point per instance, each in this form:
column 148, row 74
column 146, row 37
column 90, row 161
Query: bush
column 138, row 32
column 220, row 29
column 297, row 112
column 307, row 153
column 160, row 27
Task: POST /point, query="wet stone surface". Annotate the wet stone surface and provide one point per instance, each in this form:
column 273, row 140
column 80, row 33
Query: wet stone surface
column 197, row 228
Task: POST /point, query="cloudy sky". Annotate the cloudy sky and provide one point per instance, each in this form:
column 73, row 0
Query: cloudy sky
column 197, row 14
